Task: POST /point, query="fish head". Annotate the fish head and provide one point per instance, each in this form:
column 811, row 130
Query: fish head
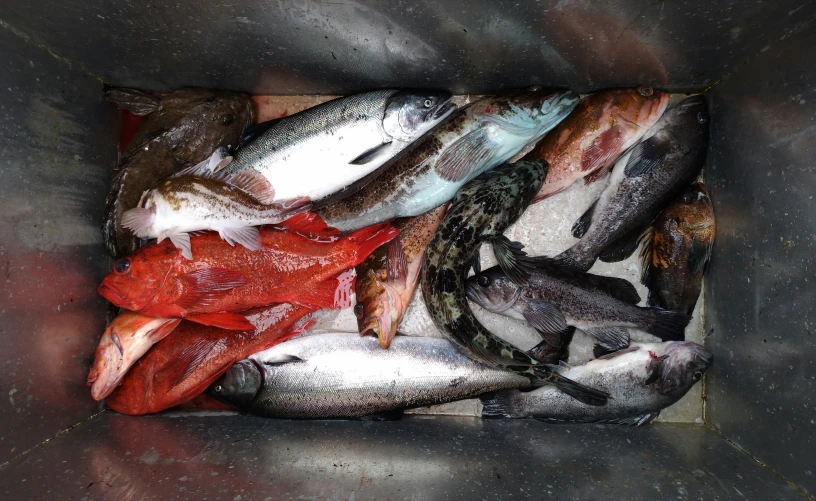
column 202, row 120
column 527, row 114
column 378, row 307
column 135, row 280
column 692, row 114
column 640, row 107
column 492, row 290
column 682, row 366
column 239, row 385
column 410, row 114
column 124, row 341
column 695, row 212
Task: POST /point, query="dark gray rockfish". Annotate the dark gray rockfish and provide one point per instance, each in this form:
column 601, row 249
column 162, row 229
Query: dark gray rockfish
column 340, row 375
column 643, row 181
column 641, row 381
column 329, row 148
column 477, row 138
column 677, row 251
column 182, row 129
column 480, row 213
column 557, row 297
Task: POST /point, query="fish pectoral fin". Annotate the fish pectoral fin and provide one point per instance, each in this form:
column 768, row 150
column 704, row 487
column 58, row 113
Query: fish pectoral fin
column 647, row 155
column 610, row 338
column 621, row 248
column 477, row 264
column 223, row 320
column 202, row 287
column 598, row 157
column 310, row 225
column 578, row 391
column 280, row 359
column 138, row 220
column 162, row 331
column 333, row 293
column 396, row 264
column 248, row 236
column 207, row 167
column 646, row 257
column 632, row 420
column 255, row 130
column 581, row 226
column 512, row 259
column 546, row 352
column 619, row 288
column 182, row 241
column 379, row 152
column 656, row 369
column 459, row 157
column 138, row 102
column 545, row 317
column 699, row 256
column 604, row 354
column 252, row 182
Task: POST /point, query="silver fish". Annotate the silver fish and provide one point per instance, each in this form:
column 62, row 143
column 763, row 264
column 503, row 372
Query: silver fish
column 643, row 181
column 477, row 138
column 641, row 380
column 557, row 297
column 341, row 375
column 329, row 148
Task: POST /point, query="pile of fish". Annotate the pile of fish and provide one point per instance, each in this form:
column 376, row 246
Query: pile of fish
column 228, row 236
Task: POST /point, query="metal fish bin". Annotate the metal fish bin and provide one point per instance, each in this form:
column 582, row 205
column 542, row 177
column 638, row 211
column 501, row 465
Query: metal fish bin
column 747, row 432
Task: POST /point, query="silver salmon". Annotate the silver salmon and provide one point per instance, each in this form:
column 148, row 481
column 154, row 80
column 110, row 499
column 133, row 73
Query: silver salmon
column 641, row 381
column 340, row 375
column 643, row 181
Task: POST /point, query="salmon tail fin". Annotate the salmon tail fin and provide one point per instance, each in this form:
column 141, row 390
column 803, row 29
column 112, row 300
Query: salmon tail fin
column 370, row 238
column 224, row 320
column 667, row 325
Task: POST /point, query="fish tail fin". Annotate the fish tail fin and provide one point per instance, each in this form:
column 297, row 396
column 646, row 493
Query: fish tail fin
column 665, row 324
column 571, row 258
column 578, row 391
column 502, row 405
column 370, row 238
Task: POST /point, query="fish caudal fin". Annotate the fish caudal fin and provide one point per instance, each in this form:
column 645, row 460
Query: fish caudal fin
column 584, row 394
column 370, row 238
column 502, row 405
column 571, row 258
column 229, row 321
column 667, row 325
column 334, row 293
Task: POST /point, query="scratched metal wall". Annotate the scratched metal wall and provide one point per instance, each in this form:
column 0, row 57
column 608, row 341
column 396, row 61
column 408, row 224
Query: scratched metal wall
column 762, row 287
column 57, row 151
column 308, row 47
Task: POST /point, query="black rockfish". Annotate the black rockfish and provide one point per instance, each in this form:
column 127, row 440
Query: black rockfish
column 643, row 181
column 479, row 213
column 677, row 251
column 557, row 297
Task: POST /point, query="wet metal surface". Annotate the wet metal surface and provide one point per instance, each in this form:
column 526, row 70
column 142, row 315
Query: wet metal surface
column 244, row 458
column 762, row 285
column 295, row 47
column 57, row 152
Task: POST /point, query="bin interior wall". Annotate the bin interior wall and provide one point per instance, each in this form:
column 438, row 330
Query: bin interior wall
column 57, row 151
column 296, row 47
column 761, row 294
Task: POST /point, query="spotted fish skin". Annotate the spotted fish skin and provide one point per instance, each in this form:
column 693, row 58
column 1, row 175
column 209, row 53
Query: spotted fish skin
column 481, row 210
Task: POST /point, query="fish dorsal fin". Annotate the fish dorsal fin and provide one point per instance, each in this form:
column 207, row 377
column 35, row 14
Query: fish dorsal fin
column 619, row 288
column 254, row 131
column 138, row 102
column 463, row 155
column 379, row 152
column 581, row 226
column 648, row 155
column 202, row 287
column 252, row 182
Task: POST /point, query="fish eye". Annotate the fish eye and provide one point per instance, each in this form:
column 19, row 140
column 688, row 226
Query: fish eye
column 218, row 388
column 483, row 281
column 428, row 103
column 227, row 118
column 121, row 266
column 701, row 117
column 645, row 90
column 697, row 376
column 358, row 310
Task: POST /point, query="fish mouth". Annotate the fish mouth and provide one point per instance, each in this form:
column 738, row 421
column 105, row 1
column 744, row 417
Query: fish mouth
column 443, row 109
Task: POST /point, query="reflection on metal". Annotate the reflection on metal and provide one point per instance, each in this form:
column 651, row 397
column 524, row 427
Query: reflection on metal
column 240, row 457
column 295, row 47
column 762, row 290
column 58, row 145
